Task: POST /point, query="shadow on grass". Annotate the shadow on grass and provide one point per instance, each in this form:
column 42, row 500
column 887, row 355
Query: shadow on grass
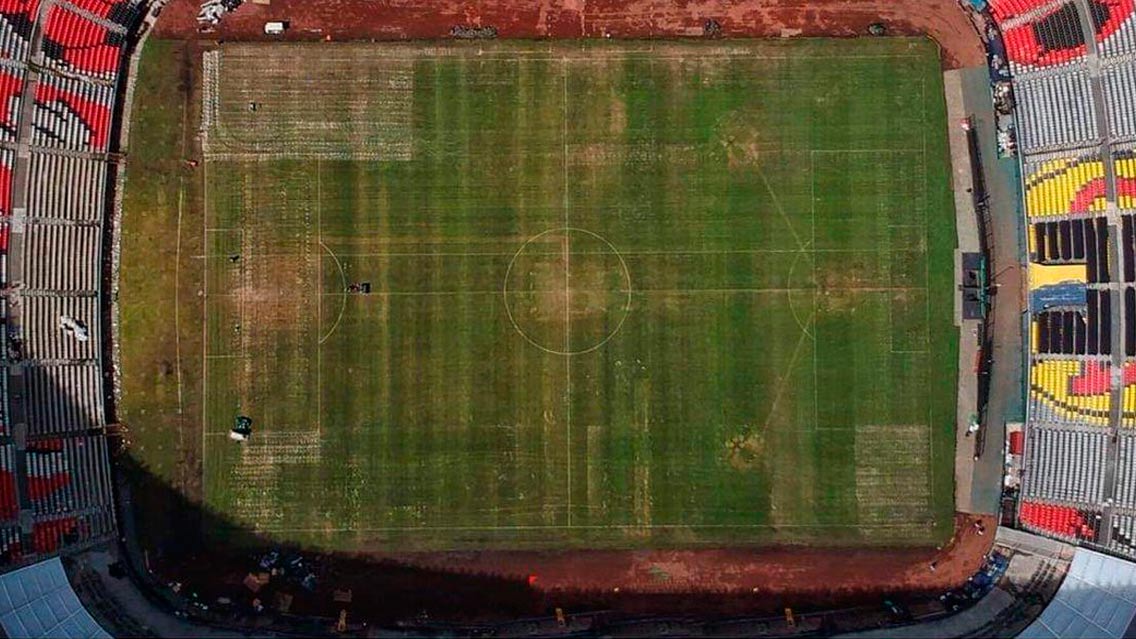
column 171, row 540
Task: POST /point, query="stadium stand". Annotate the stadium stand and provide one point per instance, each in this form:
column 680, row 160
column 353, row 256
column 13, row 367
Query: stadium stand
column 1116, row 28
column 1061, row 521
column 46, row 339
column 63, row 399
column 1126, row 179
column 9, row 498
column 124, row 13
column 1053, row 401
column 11, row 92
column 1055, row 112
column 65, row 475
column 1053, row 35
column 1006, row 10
column 64, row 57
column 1064, row 332
column 82, row 202
column 1073, row 242
column 1070, row 186
column 44, row 271
column 17, row 18
column 72, row 114
column 1066, row 466
column 74, row 43
column 7, row 160
column 1120, row 97
column 1126, row 466
column 1074, row 80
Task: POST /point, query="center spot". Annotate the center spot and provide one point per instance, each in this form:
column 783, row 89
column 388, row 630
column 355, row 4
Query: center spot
column 567, row 291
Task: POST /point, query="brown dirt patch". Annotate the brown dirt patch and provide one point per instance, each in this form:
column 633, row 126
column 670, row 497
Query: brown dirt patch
column 565, row 289
column 813, row 571
column 943, row 20
column 744, row 452
column 704, row 583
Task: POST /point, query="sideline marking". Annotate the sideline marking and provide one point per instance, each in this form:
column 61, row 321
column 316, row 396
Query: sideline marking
column 319, row 306
column 907, row 526
column 177, row 295
column 205, row 332
column 567, row 298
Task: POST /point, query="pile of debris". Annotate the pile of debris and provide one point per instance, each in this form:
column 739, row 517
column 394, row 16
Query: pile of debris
column 464, row 32
column 74, row 328
column 212, row 10
column 242, row 429
column 979, row 584
column 288, row 567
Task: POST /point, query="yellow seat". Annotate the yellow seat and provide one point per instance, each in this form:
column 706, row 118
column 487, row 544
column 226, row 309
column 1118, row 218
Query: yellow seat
column 1052, row 189
column 1051, row 382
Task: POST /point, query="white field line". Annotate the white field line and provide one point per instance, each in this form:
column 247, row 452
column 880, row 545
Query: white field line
column 319, row 306
column 783, row 382
column 177, row 270
column 927, row 287
column 177, row 295
column 341, row 294
column 422, row 53
column 816, row 311
column 781, row 211
column 711, row 252
column 567, row 296
column 897, row 526
column 205, row 333
column 793, row 307
column 663, row 291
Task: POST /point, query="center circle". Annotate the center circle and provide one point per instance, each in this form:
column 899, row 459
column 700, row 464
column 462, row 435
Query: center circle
column 567, row 291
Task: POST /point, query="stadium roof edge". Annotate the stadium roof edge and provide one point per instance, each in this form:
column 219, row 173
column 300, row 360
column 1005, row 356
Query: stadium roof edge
column 1097, row 599
column 38, row 601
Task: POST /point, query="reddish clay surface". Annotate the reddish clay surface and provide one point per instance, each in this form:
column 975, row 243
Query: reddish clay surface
column 401, row 19
column 497, row 586
column 801, row 570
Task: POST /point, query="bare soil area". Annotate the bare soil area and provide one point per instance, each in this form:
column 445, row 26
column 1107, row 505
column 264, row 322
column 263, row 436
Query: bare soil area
column 498, row 586
column 943, row 20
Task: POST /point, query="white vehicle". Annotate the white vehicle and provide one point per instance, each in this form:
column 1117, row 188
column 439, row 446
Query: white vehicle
column 275, row 28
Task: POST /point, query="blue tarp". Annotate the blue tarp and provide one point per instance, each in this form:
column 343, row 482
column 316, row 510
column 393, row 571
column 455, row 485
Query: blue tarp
column 1065, row 294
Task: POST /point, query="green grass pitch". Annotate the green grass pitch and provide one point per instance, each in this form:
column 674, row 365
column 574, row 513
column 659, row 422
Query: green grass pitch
column 621, row 294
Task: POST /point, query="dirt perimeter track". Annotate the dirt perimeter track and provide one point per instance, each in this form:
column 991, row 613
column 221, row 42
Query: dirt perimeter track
column 744, row 581
column 704, row 583
column 803, row 571
column 400, row 19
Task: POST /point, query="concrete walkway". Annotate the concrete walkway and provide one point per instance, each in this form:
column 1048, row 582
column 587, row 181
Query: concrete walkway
column 978, row 484
column 966, row 222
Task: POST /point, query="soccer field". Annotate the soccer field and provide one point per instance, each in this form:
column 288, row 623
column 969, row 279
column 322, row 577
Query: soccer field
column 620, row 294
